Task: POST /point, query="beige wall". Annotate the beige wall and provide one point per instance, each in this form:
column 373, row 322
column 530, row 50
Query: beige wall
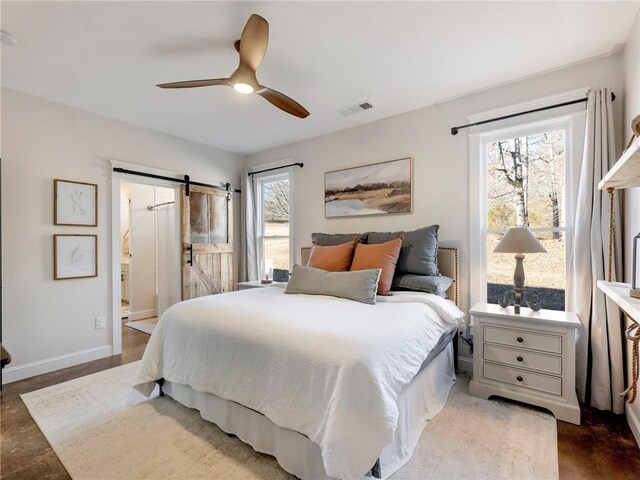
column 49, row 324
column 441, row 161
column 441, row 167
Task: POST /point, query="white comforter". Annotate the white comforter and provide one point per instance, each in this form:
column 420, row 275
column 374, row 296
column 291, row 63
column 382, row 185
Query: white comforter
column 326, row 367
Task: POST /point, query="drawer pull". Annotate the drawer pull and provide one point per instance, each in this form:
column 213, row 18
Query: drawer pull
column 519, row 378
column 520, row 339
column 520, row 359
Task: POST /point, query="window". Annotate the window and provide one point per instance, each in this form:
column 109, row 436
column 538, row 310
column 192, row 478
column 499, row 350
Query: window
column 524, row 175
column 526, row 188
column 274, row 222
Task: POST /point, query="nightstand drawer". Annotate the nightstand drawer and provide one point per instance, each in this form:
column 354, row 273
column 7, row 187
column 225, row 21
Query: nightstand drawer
column 524, row 339
column 522, row 378
column 522, row 358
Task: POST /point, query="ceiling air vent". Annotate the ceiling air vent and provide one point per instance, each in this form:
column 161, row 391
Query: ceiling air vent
column 353, row 109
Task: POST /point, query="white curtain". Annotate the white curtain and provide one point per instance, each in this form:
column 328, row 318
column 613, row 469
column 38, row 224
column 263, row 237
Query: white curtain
column 168, row 260
column 248, row 229
column 599, row 361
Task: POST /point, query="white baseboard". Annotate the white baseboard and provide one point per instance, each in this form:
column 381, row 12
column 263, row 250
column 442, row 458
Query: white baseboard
column 465, row 364
column 19, row 372
column 633, row 421
column 142, row 314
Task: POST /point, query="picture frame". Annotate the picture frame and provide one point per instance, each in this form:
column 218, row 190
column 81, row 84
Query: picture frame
column 382, row 188
column 75, row 203
column 75, row 256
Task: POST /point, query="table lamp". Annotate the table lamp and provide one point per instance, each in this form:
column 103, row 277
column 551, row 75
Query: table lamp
column 519, row 240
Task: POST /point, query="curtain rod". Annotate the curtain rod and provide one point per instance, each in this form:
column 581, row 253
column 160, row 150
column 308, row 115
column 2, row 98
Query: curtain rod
column 454, row 130
column 297, row 164
column 187, row 180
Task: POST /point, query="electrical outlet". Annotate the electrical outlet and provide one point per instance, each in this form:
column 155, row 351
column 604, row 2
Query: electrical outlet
column 100, row 323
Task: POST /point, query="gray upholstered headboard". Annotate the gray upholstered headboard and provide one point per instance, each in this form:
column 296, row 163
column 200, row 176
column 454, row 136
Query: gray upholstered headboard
column 447, row 264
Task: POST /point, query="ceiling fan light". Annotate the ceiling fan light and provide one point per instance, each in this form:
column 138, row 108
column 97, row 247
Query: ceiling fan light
column 243, row 88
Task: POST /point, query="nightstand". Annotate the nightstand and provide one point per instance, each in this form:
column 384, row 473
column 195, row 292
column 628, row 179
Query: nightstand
column 529, row 357
column 258, row 284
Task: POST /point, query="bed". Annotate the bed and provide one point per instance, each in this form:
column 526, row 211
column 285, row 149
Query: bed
column 330, row 387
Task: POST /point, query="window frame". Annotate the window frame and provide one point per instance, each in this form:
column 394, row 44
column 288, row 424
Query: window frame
column 259, row 182
column 572, row 124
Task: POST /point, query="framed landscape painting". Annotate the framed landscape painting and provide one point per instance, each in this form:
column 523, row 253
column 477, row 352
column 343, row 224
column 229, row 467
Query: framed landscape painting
column 375, row 189
column 75, row 256
column 75, row 203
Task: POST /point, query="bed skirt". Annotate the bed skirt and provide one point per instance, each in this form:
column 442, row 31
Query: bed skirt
column 420, row 401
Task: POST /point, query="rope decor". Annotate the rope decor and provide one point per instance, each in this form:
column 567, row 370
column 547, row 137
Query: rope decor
column 633, row 331
column 611, row 233
column 633, row 335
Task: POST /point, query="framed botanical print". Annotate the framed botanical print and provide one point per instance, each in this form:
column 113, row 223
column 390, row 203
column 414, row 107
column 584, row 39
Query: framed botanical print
column 75, row 256
column 375, row 189
column 75, row 203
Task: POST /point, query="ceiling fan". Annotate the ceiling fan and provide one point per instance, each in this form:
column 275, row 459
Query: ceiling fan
column 252, row 46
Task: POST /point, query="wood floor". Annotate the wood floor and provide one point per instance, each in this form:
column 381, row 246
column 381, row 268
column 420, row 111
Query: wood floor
column 602, row 448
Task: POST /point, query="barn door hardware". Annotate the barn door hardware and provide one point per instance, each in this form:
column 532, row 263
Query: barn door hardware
column 186, row 180
column 190, row 250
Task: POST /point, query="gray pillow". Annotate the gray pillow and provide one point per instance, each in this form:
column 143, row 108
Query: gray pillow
column 331, row 239
column 360, row 285
column 438, row 285
column 419, row 252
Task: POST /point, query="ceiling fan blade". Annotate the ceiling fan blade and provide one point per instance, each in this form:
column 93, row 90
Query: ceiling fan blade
column 254, row 40
column 196, row 83
column 283, row 102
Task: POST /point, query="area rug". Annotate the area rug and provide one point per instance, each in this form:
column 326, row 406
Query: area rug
column 102, row 429
column 146, row 326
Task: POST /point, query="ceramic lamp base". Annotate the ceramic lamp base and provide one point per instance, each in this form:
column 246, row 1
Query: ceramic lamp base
column 518, row 295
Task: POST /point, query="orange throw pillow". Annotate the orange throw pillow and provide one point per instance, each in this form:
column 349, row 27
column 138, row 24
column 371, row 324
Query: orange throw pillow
column 335, row 258
column 379, row 255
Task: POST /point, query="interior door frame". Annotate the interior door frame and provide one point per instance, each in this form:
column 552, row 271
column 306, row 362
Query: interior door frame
column 116, row 181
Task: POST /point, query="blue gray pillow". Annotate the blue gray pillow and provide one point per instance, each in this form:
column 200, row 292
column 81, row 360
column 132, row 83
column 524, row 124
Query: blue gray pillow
column 360, row 285
column 331, row 239
column 419, row 251
column 438, row 285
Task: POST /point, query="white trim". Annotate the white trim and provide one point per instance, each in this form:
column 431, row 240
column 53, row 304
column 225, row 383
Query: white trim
column 633, row 421
column 116, row 262
column 530, row 104
column 12, row 374
column 116, row 257
column 477, row 205
column 465, row 364
column 142, row 314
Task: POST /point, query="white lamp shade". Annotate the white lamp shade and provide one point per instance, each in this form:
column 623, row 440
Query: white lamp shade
column 519, row 240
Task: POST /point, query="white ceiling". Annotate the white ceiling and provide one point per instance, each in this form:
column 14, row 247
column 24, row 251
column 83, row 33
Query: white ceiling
column 106, row 57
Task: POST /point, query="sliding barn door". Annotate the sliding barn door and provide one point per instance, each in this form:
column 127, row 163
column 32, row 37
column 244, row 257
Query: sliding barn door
column 207, row 242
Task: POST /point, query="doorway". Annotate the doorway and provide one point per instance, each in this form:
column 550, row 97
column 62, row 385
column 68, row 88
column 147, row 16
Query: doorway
column 149, row 254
